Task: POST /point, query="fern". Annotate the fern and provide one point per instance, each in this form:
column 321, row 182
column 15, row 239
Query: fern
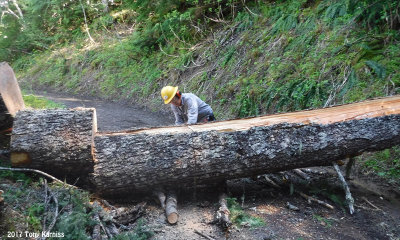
column 378, row 69
column 351, row 82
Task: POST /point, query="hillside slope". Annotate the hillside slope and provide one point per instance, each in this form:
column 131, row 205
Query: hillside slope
column 258, row 58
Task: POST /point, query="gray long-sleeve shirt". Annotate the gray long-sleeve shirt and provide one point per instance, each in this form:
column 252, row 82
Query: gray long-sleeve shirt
column 192, row 110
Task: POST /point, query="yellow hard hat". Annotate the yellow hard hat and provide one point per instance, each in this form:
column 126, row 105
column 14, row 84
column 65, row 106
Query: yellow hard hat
column 168, row 93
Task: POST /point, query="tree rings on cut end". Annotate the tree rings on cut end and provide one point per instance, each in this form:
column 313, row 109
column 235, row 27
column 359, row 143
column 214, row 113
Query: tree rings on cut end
column 172, row 218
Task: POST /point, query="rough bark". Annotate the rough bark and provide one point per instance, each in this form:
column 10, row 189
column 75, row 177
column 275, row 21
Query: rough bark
column 57, row 141
column 126, row 162
column 10, row 96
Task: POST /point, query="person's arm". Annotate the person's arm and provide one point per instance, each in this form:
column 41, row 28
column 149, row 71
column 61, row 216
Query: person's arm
column 178, row 117
column 193, row 110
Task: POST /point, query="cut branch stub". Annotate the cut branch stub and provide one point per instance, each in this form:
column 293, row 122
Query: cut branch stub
column 57, row 141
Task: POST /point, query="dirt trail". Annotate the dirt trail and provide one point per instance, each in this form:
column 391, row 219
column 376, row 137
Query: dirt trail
column 112, row 116
column 257, row 197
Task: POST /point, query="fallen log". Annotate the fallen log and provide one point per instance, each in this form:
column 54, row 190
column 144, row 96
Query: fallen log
column 126, row 162
column 183, row 156
column 56, row 141
column 10, row 96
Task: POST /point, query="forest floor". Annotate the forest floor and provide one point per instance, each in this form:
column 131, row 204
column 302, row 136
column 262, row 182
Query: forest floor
column 377, row 202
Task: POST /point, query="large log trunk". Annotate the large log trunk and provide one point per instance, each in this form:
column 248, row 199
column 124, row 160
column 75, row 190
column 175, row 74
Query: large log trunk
column 10, row 96
column 60, row 142
column 188, row 155
column 57, row 141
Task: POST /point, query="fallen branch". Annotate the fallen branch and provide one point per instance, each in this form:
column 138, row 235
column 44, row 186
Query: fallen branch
column 222, row 216
column 203, row 235
column 365, row 208
column 161, row 198
column 309, row 198
column 130, row 215
column 371, row 204
column 349, row 198
column 56, row 212
column 271, row 182
column 37, row 171
column 301, row 174
column 46, row 202
column 96, row 229
column 86, row 25
column 108, row 204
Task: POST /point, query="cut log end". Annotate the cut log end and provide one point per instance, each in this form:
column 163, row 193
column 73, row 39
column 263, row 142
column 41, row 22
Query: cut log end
column 20, row 159
column 171, row 208
column 172, row 218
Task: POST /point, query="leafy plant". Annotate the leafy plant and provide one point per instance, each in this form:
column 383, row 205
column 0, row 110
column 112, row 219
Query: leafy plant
column 385, row 163
column 239, row 217
column 326, row 222
column 34, row 216
column 75, row 223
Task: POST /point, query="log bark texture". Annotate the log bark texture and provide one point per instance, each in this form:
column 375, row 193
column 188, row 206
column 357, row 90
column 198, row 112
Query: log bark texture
column 10, row 96
column 57, row 141
column 126, row 162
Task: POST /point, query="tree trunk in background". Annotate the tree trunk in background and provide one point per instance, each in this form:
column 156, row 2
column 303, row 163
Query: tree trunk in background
column 10, row 96
column 56, row 141
column 128, row 162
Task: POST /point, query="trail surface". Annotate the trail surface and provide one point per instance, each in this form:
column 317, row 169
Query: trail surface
column 112, row 116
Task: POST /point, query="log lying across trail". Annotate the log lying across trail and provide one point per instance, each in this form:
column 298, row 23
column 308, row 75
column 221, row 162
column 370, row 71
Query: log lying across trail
column 181, row 156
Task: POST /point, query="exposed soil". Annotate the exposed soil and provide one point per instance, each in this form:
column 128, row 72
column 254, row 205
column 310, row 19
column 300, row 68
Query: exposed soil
column 377, row 203
column 112, row 116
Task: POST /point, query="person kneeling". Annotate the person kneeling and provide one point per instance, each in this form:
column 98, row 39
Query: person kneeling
column 187, row 107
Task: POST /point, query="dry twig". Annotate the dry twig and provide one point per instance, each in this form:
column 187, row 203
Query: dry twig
column 37, row 171
column 308, row 198
column 203, row 235
column 271, row 182
column 366, row 200
column 301, row 174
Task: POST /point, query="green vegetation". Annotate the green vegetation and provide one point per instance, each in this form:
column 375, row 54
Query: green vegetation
column 240, row 218
column 385, row 163
column 324, row 221
column 33, row 101
column 248, row 59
